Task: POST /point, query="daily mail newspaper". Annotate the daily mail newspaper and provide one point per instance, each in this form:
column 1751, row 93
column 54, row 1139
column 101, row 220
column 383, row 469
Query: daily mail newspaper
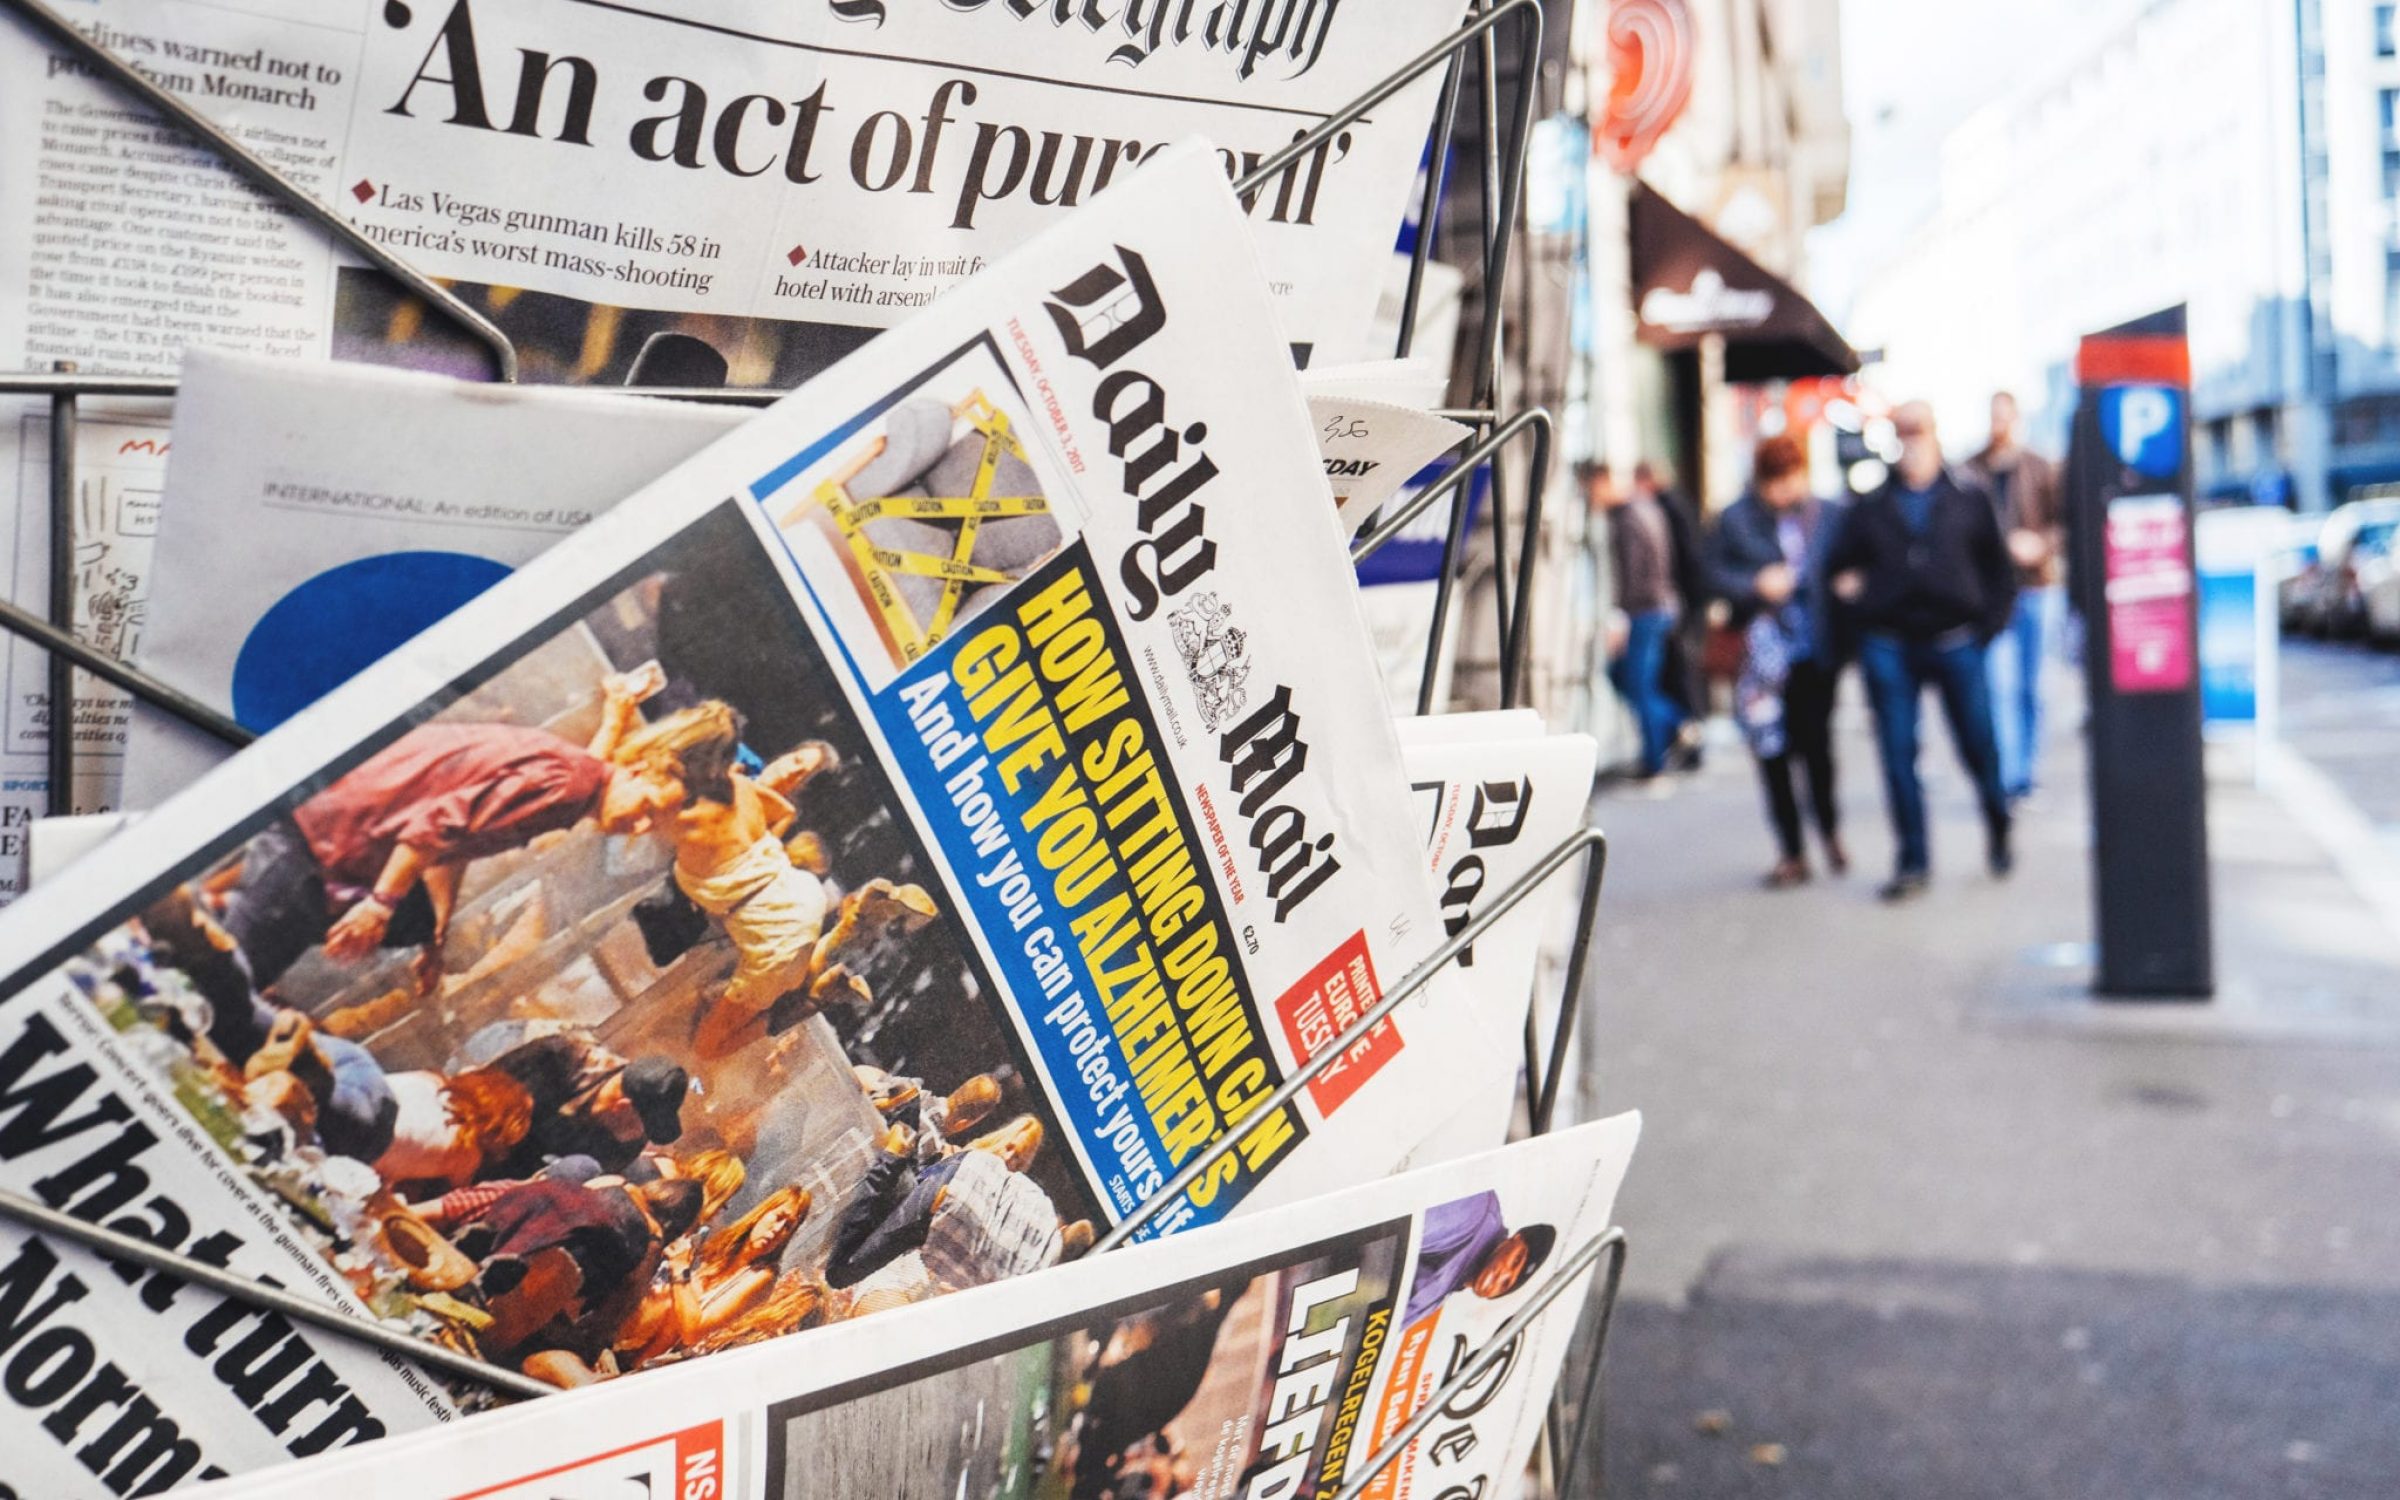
column 318, row 515
column 1490, row 809
column 1262, row 1359
column 706, row 192
column 862, row 865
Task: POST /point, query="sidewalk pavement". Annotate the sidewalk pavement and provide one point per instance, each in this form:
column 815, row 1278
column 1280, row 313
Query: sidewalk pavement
column 1914, row 1216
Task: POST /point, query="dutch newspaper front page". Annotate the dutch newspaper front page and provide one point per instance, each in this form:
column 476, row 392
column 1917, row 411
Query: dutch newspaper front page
column 860, row 866
column 1257, row 1360
column 802, row 173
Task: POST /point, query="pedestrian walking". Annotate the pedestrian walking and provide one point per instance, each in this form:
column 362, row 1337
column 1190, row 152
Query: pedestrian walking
column 1766, row 560
column 1641, row 545
column 2025, row 494
column 1933, row 584
column 1683, row 668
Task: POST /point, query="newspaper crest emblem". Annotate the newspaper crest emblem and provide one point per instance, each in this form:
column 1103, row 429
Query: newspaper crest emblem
column 1215, row 656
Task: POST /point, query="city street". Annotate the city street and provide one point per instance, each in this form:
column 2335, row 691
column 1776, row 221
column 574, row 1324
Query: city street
column 2342, row 716
column 1914, row 1216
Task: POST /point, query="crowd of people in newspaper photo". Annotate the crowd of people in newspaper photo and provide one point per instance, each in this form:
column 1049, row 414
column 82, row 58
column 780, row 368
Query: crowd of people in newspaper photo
column 607, row 1038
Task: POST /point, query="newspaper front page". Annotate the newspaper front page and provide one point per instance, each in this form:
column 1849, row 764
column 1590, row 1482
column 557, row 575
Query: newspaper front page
column 890, row 844
column 1261, row 1359
column 1491, row 807
column 696, row 194
column 760, row 183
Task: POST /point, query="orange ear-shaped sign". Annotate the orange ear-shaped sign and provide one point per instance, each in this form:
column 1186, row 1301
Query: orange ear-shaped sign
column 1651, row 48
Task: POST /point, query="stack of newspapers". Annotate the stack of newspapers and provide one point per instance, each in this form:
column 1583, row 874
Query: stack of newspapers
column 750, row 918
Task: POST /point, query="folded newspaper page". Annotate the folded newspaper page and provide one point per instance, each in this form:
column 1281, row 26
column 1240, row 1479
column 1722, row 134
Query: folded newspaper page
column 1260, row 1359
column 55, row 843
column 862, row 865
column 661, row 193
column 1376, row 423
column 1372, row 448
column 1490, row 811
column 318, row 515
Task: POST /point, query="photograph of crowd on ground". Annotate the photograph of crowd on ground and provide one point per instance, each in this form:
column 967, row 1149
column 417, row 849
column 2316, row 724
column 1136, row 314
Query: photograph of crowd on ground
column 613, row 1013
column 933, row 508
column 1179, row 1396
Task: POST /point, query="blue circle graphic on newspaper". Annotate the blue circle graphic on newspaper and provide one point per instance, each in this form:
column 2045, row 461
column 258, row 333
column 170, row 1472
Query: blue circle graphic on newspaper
column 315, row 638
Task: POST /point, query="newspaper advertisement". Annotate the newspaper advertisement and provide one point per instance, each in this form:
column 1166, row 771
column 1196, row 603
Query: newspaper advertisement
column 862, row 865
column 1260, row 1359
column 319, row 515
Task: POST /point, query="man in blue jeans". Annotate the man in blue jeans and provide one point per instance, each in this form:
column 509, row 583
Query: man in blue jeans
column 2025, row 492
column 1933, row 583
column 1642, row 555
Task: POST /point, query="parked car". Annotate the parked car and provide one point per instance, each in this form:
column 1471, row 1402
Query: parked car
column 2325, row 598
column 2378, row 573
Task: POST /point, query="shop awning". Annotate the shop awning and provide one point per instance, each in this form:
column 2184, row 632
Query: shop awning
column 1688, row 283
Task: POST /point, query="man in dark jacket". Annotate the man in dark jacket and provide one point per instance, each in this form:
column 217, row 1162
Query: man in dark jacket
column 1934, row 584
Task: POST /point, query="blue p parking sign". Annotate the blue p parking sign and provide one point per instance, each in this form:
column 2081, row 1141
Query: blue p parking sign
column 2143, row 426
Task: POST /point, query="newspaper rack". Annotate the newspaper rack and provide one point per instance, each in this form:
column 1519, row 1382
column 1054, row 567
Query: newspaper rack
column 1589, row 845
column 1502, row 171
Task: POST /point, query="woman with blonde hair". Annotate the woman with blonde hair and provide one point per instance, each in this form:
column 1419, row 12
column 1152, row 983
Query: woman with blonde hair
column 732, row 862
column 720, row 1175
column 1015, row 1143
column 798, row 1300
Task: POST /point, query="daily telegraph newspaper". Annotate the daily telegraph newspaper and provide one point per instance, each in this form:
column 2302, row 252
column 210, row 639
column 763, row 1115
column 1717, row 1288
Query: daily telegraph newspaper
column 320, row 514
column 862, row 865
column 675, row 194
column 1263, row 1359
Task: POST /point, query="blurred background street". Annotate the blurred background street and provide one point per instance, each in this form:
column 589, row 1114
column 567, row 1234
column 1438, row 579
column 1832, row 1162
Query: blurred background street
column 1915, row 1216
column 1916, row 1212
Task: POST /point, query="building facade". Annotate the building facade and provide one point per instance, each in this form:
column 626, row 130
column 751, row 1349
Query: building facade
column 2241, row 157
column 1754, row 155
column 1759, row 154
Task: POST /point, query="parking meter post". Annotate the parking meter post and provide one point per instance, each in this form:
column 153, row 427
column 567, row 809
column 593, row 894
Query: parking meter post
column 2129, row 492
